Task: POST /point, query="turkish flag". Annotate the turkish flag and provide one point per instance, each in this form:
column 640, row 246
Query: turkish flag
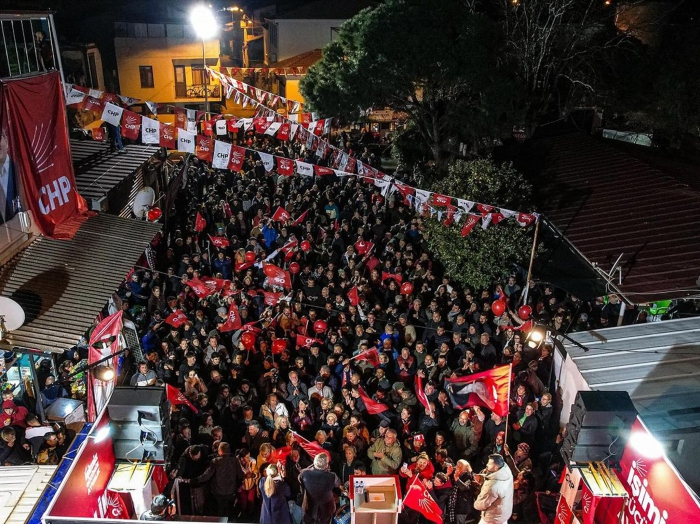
column 354, row 296
column 98, row 134
column 313, row 448
column 525, row 219
column 307, row 342
column 205, row 148
column 441, row 200
column 283, row 132
column 386, row 276
column 472, row 220
column 199, row 223
column 220, row 242
column 323, row 171
column 420, row 392
column 34, row 120
column 281, row 215
column 131, row 125
column 233, row 321
column 177, row 397
column 285, row 166
column 200, row 288
column 488, row 389
column 419, row 499
column 167, row 136
column 176, row 319
column 235, row 161
column 373, row 407
column 363, row 247
column 371, row 356
column 299, row 221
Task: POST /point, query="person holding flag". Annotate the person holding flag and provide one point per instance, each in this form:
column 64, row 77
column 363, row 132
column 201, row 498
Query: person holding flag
column 495, row 500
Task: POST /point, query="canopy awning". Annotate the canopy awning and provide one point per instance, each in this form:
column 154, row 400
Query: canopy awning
column 63, row 284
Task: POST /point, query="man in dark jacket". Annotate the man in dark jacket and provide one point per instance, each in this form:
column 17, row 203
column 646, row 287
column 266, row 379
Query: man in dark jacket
column 224, row 474
column 318, row 505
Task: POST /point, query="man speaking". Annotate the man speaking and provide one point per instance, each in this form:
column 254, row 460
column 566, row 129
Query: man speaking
column 318, row 505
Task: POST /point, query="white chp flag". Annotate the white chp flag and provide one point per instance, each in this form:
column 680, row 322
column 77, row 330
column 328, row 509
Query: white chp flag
column 293, row 131
column 74, row 97
column 221, row 127
column 268, row 161
column 150, row 131
column 274, row 127
column 465, row 205
column 95, row 93
column 222, row 150
column 304, row 169
column 112, row 114
column 127, row 100
column 185, row 141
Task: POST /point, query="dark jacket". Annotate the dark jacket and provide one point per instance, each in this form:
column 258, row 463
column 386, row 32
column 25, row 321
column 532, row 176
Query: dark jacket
column 225, row 474
column 275, row 509
column 318, row 505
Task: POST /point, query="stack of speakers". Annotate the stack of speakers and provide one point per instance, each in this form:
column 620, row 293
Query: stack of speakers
column 598, row 427
column 140, row 420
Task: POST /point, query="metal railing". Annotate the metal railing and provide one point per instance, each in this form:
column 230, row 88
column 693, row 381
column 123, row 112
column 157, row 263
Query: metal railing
column 197, row 91
column 28, row 44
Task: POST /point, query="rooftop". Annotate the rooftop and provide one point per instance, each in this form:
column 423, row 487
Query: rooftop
column 304, row 60
column 325, row 10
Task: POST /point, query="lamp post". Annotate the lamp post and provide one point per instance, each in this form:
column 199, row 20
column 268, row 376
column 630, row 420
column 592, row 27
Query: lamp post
column 204, row 24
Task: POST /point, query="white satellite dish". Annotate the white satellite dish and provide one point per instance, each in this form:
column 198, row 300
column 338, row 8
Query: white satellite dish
column 143, row 201
column 12, row 313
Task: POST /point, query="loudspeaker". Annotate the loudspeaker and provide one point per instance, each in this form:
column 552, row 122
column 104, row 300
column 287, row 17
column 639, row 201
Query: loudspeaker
column 598, row 427
column 140, row 421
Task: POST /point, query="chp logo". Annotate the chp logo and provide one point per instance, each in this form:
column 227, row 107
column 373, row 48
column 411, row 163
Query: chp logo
column 642, row 508
column 586, row 501
column 131, row 122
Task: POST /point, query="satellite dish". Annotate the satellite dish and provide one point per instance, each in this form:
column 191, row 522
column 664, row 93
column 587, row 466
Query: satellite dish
column 143, row 201
column 12, row 313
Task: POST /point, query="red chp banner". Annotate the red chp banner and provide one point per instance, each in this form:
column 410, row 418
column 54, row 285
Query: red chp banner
column 35, row 115
column 106, row 334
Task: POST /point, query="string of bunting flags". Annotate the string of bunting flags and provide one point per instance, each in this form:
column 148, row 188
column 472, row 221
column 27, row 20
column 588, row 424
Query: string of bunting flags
column 183, row 136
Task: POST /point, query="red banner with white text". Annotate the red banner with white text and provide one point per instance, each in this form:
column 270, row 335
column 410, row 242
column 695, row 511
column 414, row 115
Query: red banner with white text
column 35, row 114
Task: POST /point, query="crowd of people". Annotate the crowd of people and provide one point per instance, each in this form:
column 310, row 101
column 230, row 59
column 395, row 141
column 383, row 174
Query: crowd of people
column 249, row 446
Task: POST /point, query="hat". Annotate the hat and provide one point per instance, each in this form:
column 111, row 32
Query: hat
column 384, row 424
column 398, row 386
column 221, row 311
column 418, row 437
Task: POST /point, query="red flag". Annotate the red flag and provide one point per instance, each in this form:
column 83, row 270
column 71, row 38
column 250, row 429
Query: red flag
column 589, row 503
column 420, row 392
column 354, row 296
column 371, row 356
column 497, row 218
column 404, row 191
column 279, row 277
column 313, row 448
column 231, row 125
column 177, row 397
column 307, row 342
column 285, row 166
column 386, row 276
column 216, row 284
column 271, row 298
column 94, row 104
column 450, row 215
column 176, row 319
column 441, row 200
column 419, row 499
column 564, row 515
column 261, row 125
column 279, row 455
column 199, row 223
column 283, row 132
column 236, row 158
column 242, row 266
column 131, row 125
column 363, row 247
column 34, row 120
column 208, row 127
column 488, row 389
column 484, row 209
column 220, row 242
column 472, row 220
column 200, row 288
column 299, row 221
column 289, row 246
column 204, row 148
column 281, row 215
column 351, row 165
column 233, row 321
column 373, row 407
column 98, row 134
column 180, row 117
column 323, row 171
column 167, row 136
column 525, row 219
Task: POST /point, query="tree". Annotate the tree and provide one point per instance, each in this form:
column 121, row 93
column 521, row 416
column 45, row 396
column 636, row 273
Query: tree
column 435, row 61
column 485, row 255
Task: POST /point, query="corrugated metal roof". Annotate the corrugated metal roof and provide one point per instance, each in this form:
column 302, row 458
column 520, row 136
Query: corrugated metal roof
column 658, row 364
column 608, row 203
column 97, row 170
column 20, row 489
column 63, row 284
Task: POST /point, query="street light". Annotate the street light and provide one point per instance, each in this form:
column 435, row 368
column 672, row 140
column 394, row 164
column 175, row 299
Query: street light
column 204, row 24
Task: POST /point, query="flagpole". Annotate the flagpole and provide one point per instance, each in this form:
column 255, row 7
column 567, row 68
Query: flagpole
column 510, row 375
column 523, row 297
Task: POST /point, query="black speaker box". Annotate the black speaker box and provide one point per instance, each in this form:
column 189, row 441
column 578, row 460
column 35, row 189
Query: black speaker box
column 598, row 426
column 140, row 421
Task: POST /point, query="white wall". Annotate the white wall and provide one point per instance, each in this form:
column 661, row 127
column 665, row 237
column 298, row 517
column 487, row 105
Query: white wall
column 299, row 36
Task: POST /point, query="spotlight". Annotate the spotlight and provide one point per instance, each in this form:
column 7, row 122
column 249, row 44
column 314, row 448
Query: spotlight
column 647, row 445
column 104, row 373
column 535, row 336
column 102, row 434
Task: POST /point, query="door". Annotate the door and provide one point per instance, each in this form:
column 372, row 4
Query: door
column 180, row 82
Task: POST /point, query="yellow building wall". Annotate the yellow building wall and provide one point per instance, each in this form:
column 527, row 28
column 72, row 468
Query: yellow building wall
column 162, row 54
column 292, row 90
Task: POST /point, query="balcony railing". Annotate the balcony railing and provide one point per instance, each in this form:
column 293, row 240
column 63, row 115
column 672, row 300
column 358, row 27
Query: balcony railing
column 28, row 44
column 197, row 91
